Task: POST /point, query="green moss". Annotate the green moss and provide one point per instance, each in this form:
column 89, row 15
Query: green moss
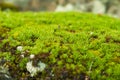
column 73, row 45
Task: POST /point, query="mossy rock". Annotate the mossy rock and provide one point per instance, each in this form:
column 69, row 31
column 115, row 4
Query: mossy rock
column 73, row 45
column 4, row 6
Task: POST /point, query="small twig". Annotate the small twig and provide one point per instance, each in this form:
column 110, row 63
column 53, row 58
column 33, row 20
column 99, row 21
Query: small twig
column 90, row 68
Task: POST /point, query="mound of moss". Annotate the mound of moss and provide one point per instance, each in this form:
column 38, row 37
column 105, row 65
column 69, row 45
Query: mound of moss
column 74, row 46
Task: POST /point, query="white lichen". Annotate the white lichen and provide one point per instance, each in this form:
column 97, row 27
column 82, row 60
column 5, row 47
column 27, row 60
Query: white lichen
column 22, row 55
column 41, row 66
column 34, row 70
column 20, row 48
column 32, row 56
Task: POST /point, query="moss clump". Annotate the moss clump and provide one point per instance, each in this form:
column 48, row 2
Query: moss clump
column 73, row 45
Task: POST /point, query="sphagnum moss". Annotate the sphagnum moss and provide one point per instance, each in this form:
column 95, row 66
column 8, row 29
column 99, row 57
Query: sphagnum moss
column 72, row 45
